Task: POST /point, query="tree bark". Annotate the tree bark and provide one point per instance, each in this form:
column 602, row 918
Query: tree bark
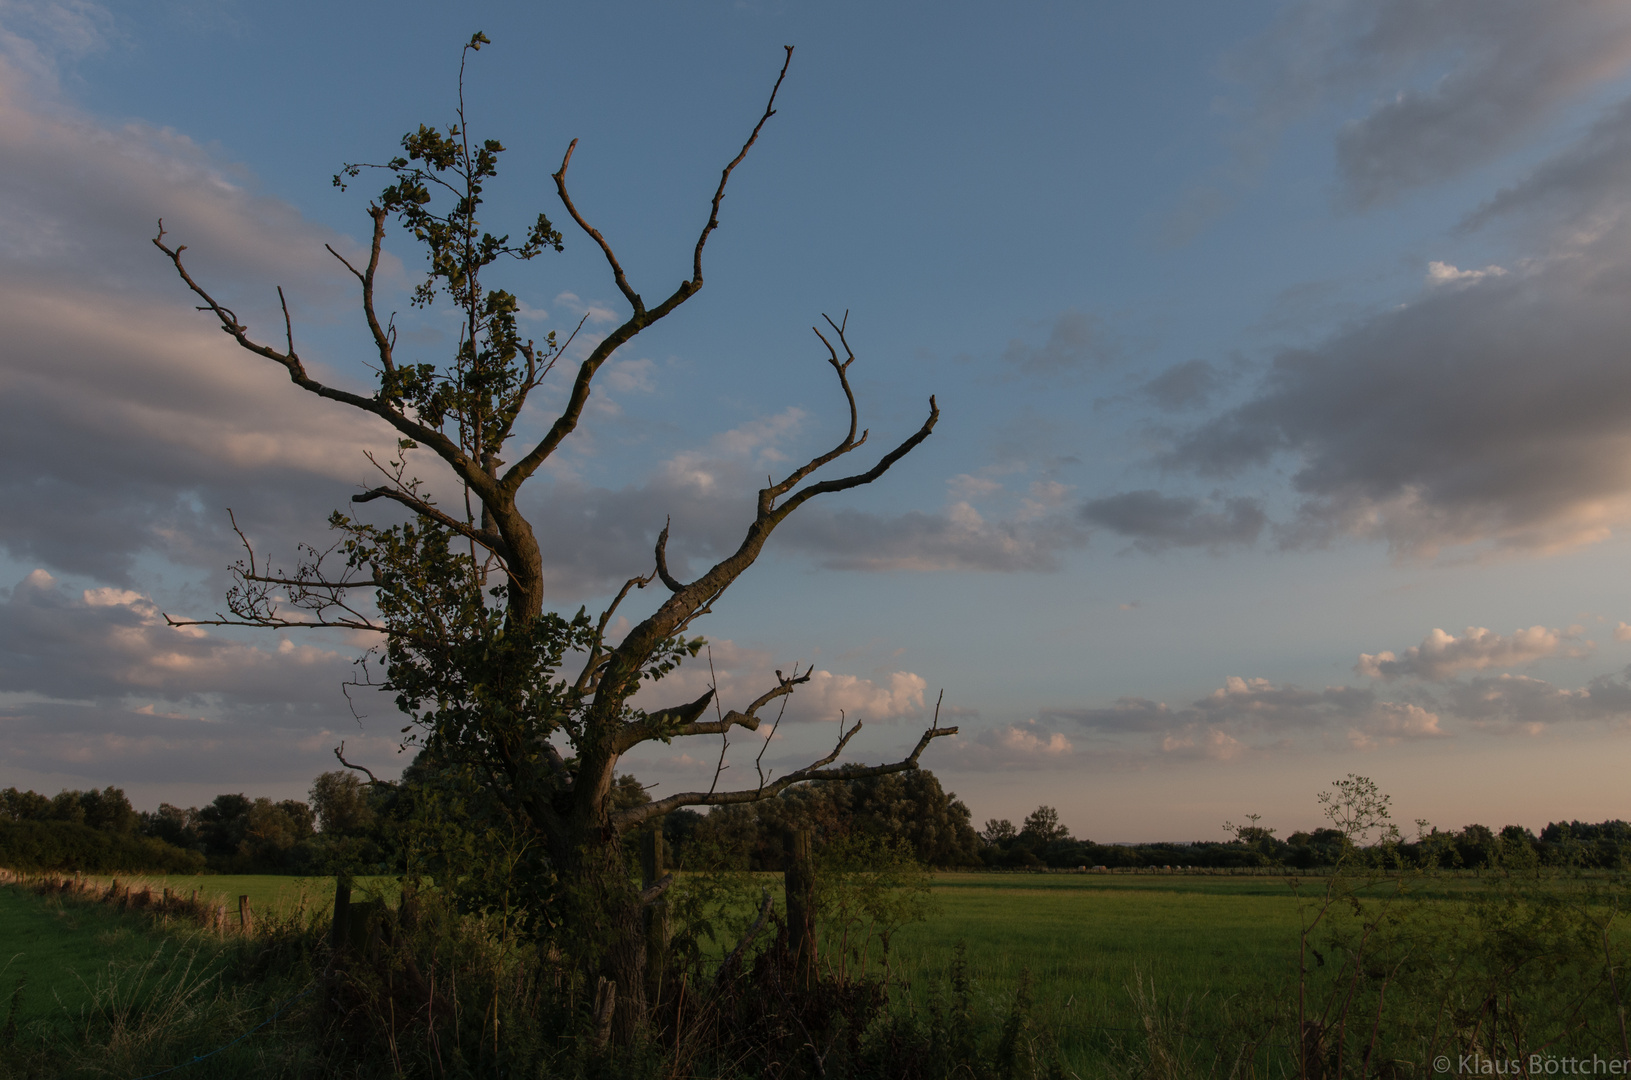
column 608, row 924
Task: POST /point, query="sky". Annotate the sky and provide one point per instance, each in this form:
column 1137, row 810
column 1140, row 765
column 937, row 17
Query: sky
column 1279, row 346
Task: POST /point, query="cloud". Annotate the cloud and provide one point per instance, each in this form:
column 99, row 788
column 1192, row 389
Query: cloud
column 758, row 442
column 72, row 742
column 97, row 685
column 47, row 635
column 1257, row 704
column 630, row 376
column 1622, row 632
column 1491, row 416
column 1433, row 89
column 1442, row 273
column 1498, row 70
column 1026, row 745
column 1518, row 702
column 1156, row 522
column 36, row 36
column 964, row 487
column 595, row 538
column 1254, row 715
column 596, row 313
column 1580, row 188
column 1246, row 717
column 1189, row 385
column 957, row 538
column 1214, row 743
column 127, row 422
column 1075, row 341
column 1442, row 656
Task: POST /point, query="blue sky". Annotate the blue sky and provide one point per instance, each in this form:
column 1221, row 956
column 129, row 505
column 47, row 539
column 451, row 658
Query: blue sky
column 1286, row 425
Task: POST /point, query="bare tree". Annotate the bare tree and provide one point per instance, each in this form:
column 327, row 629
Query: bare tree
column 477, row 665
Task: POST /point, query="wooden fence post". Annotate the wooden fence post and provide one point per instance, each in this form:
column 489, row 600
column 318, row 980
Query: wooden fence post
column 246, row 918
column 798, row 878
column 342, row 912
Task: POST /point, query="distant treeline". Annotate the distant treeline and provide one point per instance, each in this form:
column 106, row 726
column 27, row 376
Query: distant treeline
column 100, row 832
column 356, row 826
column 1041, row 841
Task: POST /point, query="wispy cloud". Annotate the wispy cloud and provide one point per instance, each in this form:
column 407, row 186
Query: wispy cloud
column 1430, row 90
column 1155, row 522
column 1075, row 341
column 1251, row 716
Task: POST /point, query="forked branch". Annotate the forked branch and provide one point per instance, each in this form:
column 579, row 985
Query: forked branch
column 290, row 361
column 624, row 820
column 682, row 720
column 690, row 600
column 641, row 317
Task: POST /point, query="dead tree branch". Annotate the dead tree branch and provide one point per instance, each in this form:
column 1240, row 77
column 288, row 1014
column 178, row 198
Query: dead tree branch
column 632, row 817
column 339, row 752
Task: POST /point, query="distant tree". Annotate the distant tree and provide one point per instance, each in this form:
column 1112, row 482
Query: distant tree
column 272, row 831
column 173, row 825
column 999, row 832
column 1322, row 847
column 224, row 824
column 912, row 808
column 67, row 806
column 109, row 810
column 628, row 792
column 1042, row 828
column 1516, row 836
column 1605, row 844
column 341, row 803
column 1478, row 847
column 24, row 805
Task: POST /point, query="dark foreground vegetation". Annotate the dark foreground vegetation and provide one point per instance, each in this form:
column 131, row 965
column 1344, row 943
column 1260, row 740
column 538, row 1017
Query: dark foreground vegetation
column 853, row 961
column 1395, row 971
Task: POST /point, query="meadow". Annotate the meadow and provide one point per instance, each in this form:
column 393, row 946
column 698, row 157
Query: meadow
column 1131, row 974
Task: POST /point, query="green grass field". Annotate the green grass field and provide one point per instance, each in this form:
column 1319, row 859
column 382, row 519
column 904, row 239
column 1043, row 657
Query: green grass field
column 1087, row 935
column 59, row 952
column 1105, row 953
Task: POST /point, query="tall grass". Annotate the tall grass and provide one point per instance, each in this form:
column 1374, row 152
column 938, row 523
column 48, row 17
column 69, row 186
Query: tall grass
column 1342, row 976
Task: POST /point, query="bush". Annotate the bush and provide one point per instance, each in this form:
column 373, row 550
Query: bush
column 69, row 846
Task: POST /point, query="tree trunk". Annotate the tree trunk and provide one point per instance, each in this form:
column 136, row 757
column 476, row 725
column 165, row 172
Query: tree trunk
column 608, row 926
